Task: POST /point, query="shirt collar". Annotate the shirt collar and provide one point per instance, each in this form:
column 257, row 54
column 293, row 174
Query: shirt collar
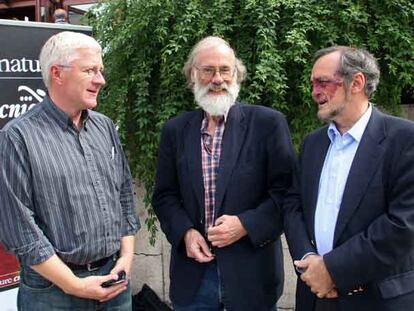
column 61, row 117
column 357, row 130
column 204, row 123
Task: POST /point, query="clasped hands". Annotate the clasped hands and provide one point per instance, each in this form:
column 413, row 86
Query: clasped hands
column 227, row 229
column 316, row 276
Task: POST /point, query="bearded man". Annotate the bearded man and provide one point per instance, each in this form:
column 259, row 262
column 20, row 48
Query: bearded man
column 222, row 173
column 349, row 218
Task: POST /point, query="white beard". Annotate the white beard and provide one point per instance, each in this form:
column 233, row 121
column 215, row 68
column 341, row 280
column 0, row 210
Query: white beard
column 216, row 105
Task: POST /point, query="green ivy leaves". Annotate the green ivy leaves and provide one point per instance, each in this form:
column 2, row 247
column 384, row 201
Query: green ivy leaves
column 146, row 43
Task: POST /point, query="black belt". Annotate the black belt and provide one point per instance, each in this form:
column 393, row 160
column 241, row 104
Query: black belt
column 93, row 266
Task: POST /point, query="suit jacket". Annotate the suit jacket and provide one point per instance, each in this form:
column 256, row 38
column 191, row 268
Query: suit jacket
column 255, row 172
column 372, row 261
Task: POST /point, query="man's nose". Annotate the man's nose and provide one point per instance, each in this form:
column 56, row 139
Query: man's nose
column 217, row 79
column 99, row 78
column 315, row 91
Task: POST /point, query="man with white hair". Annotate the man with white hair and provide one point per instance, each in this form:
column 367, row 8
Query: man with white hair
column 222, row 173
column 67, row 207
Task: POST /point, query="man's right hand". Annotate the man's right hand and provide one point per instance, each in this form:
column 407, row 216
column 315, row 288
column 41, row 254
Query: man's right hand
column 90, row 288
column 332, row 294
column 196, row 246
column 316, row 276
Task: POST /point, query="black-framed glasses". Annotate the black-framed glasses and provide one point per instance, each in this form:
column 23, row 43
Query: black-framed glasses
column 208, row 72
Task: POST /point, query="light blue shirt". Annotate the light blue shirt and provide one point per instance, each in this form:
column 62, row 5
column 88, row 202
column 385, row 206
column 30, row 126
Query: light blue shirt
column 334, row 175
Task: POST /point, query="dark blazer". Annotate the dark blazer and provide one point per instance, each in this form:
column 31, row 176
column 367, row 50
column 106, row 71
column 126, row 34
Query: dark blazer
column 255, row 171
column 372, row 261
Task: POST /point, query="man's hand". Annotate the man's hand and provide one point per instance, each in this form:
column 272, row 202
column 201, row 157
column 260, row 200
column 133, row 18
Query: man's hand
column 123, row 264
column 332, row 294
column 316, row 276
column 126, row 256
column 227, row 230
column 196, row 246
column 90, row 288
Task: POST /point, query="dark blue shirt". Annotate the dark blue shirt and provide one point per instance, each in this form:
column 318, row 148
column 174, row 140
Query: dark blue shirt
column 63, row 191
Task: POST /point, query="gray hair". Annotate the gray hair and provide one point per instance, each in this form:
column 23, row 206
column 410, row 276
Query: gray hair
column 205, row 43
column 61, row 49
column 352, row 61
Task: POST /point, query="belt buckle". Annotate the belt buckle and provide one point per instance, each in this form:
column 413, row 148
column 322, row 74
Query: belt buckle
column 90, row 267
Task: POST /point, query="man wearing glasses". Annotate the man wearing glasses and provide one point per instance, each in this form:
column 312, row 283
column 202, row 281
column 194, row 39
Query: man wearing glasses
column 349, row 219
column 222, row 173
column 67, row 207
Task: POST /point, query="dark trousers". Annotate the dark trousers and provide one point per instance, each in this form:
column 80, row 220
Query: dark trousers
column 326, row 305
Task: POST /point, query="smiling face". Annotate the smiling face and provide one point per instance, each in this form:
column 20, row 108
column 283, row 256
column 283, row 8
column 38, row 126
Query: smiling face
column 82, row 80
column 328, row 90
column 215, row 86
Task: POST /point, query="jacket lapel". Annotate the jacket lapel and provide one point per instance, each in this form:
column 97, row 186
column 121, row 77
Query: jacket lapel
column 314, row 166
column 233, row 137
column 192, row 152
column 363, row 168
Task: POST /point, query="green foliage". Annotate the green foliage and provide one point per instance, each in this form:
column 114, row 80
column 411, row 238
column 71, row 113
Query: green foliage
column 146, row 43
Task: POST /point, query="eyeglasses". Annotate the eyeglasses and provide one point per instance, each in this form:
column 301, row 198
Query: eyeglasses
column 208, row 72
column 89, row 71
column 320, row 83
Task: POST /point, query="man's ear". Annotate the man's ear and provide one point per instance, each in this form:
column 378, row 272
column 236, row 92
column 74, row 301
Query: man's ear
column 56, row 74
column 193, row 76
column 358, row 83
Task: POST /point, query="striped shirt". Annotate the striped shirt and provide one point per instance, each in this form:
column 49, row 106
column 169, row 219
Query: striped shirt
column 63, row 191
column 210, row 159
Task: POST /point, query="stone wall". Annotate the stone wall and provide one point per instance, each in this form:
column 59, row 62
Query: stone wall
column 151, row 264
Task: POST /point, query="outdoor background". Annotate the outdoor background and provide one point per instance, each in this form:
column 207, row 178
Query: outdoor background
column 146, row 43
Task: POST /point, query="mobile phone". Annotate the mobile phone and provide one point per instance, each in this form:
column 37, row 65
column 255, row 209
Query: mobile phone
column 121, row 278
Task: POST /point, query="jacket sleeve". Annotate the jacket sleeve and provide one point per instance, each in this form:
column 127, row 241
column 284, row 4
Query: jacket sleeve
column 166, row 199
column 264, row 223
column 297, row 235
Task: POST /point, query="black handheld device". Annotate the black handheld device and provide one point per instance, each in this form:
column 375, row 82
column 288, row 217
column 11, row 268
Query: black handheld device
column 121, row 278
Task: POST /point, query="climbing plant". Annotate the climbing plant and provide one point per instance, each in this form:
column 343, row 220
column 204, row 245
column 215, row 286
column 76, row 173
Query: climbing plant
column 146, row 43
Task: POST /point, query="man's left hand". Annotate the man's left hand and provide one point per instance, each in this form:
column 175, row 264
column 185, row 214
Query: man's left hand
column 227, row 230
column 123, row 263
column 316, row 276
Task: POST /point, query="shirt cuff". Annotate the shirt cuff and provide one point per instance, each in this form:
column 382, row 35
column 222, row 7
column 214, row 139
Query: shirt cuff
column 34, row 253
column 300, row 270
column 132, row 225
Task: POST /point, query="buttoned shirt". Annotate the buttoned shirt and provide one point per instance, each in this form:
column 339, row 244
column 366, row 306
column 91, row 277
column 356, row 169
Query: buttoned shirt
column 63, row 191
column 211, row 147
column 333, row 179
